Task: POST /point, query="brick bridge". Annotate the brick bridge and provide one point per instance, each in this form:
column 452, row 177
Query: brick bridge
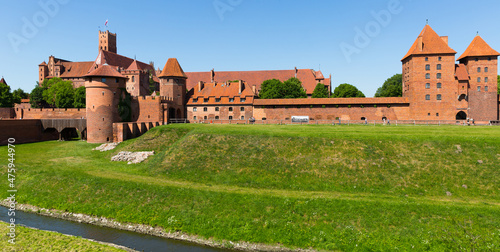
column 66, row 127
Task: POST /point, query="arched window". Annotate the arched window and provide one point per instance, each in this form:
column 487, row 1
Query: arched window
column 427, row 97
column 478, row 69
column 438, row 75
column 427, row 67
column 478, row 79
column 438, row 97
column 427, row 85
column 485, row 69
column 427, row 76
column 438, row 67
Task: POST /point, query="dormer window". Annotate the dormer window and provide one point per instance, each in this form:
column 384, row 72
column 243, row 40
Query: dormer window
column 217, row 99
column 205, row 99
column 231, row 99
column 195, row 99
column 243, row 99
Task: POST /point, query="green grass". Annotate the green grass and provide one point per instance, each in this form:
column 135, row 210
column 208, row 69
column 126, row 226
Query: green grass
column 356, row 188
column 38, row 240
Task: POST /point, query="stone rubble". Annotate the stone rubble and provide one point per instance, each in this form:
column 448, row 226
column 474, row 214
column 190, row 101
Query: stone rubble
column 106, row 147
column 132, row 157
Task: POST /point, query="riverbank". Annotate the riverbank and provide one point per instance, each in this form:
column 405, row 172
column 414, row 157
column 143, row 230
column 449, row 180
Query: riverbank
column 143, row 229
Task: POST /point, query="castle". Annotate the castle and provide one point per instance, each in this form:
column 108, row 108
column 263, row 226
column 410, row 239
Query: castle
column 118, row 104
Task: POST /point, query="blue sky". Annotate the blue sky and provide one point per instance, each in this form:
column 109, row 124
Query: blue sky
column 231, row 35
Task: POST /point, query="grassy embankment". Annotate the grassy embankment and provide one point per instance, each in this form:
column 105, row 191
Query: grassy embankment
column 325, row 187
column 39, row 240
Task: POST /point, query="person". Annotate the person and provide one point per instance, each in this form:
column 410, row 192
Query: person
column 473, row 123
column 366, row 121
column 468, row 122
column 388, row 122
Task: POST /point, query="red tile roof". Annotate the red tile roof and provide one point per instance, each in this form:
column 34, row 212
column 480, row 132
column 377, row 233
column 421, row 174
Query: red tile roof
column 308, row 77
column 105, row 71
column 332, row 101
column 220, row 90
column 76, row 69
column 134, row 66
column 432, row 44
column 173, row 69
column 478, row 47
column 113, row 59
column 43, row 63
column 461, row 72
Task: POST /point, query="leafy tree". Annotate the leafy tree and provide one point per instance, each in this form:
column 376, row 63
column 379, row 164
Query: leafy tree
column 347, row 90
column 5, row 95
column 392, row 87
column 19, row 94
column 271, row 89
column 292, row 88
column 59, row 93
column 36, row 97
column 79, row 101
column 320, row 91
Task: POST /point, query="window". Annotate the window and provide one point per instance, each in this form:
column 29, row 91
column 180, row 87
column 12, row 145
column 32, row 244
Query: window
column 485, row 79
column 485, row 88
column 133, row 78
column 478, row 89
column 216, row 117
column 438, row 85
column 217, row 99
column 230, row 117
column 426, row 58
column 242, row 117
column 205, row 99
column 438, row 67
column 242, row 109
column 230, row 108
column 438, row 75
column 477, row 59
column 243, row 99
column 205, row 109
column 485, row 69
column 437, row 114
column 195, row 99
column 231, row 99
column 427, row 85
column 478, row 69
column 439, row 58
column 427, row 97
column 478, row 79
column 195, row 109
column 103, row 80
column 216, row 108
column 205, row 117
column 427, row 76
column 428, row 114
column 427, row 67
column 438, row 97
column 194, row 117
column 489, row 58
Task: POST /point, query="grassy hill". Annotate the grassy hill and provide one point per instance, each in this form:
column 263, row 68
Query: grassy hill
column 342, row 188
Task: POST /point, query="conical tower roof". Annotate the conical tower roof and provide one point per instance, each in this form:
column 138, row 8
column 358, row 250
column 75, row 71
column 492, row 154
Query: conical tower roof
column 173, row 69
column 105, row 71
column 3, row 81
column 478, row 47
column 431, row 44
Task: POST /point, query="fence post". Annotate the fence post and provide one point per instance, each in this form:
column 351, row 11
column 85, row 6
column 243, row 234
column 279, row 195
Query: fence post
column 396, row 122
column 414, row 123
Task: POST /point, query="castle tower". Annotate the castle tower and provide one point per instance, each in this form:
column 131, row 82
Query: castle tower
column 429, row 77
column 480, row 60
column 173, row 86
column 104, row 86
column 107, row 41
column 43, row 71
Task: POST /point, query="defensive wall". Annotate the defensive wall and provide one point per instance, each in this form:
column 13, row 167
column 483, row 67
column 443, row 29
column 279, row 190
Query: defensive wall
column 51, row 113
column 127, row 130
column 25, row 131
column 7, row 113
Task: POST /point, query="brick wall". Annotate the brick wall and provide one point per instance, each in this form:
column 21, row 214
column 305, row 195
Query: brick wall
column 147, row 109
column 7, row 113
column 25, row 131
column 50, row 113
column 124, row 131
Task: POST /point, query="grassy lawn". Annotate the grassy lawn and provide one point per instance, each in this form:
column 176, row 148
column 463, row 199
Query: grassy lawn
column 39, row 240
column 347, row 188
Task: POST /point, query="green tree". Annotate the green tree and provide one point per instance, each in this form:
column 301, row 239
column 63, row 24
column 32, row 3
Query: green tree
column 271, row 89
column 5, row 95
column 392, row 87
column 36, row 97
column 58, row 93
column 320, row 91
column 275, row 89
column 79, row 101
column 346, row 90
column 19, row 94
column 292, row 88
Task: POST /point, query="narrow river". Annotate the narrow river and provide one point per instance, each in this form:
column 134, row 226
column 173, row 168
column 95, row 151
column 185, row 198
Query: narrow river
column 129, row 239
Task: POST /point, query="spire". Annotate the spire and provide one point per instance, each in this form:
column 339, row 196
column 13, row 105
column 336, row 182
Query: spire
column 429, row 42
column 173, row 69
column 478, row 47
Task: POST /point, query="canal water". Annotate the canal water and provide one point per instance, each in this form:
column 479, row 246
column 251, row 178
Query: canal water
column 128, row 239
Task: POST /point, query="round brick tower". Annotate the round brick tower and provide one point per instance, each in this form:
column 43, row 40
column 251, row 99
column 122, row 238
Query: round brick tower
column 104, row 86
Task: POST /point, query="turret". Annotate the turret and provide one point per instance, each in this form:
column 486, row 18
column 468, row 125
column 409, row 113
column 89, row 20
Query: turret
column 173, row 86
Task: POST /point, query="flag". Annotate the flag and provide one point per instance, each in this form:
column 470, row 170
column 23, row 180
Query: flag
column 106, row 23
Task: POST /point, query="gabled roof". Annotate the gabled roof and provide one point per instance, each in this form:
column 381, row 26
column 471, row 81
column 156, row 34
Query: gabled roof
column 172, row 69
column 461, row 72
column 134, row 66
column 431, row 44
column 218, row 90
column 3, row 81
column 43, row 63
column 105, row 71
column 308, row 77
column 76, row 69
column 478, row 47
column 113, row 59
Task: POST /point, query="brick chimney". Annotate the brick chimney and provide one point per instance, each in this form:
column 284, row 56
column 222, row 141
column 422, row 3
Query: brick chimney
column 212, row 75
column 240, row 86
column 420, row 44
column 201, row 85
column 296, row 70
column 253, row 89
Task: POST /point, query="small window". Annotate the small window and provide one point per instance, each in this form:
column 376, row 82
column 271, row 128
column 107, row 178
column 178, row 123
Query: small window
column 427, row 85
column 216, row 117
column 216, row 108
column 133, row 78
column 103, row 80
column 477, row 59
column 195, row 99
column 437, row 114
column 489, row 58
column 242, row 117
column 194, row 117
column 485, row 88
column 438, row 67
column 243, row 99
column 438, row 85
column 426, row 58
column 438, row 97
column 478, row 69
column 478, row 79
column 217, row 99
column 205, row 117
column 230, row 117
column 485, row 69
column 242, row 109
column 439, row 58
column 205, row 99
column 427, row 67
column 205, row 109
column 478, row 89
column 438, row 75
column 427, row 76
column 427, row 97
column 428, row 114
column 230, row 108
column 231, row 99
column 116, row 80
column 485, row 79
column 195, row 109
